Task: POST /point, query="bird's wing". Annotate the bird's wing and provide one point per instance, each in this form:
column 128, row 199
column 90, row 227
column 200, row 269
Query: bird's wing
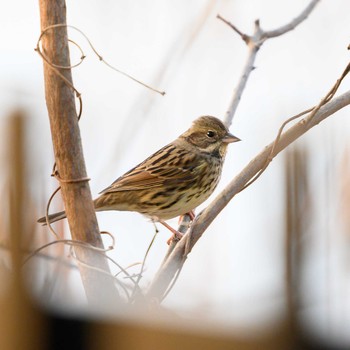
column 170, row 166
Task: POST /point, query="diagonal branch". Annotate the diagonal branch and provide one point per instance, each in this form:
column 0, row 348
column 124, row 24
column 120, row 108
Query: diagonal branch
column 294, row 23
column 180, row 252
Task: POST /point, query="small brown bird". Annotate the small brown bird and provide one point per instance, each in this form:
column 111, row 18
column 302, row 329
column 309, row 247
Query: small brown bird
column 174, row 180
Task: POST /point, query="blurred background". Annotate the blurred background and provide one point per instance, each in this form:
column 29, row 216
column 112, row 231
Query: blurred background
column 287, row 233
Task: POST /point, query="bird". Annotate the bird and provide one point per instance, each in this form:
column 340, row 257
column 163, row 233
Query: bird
column 174, row 180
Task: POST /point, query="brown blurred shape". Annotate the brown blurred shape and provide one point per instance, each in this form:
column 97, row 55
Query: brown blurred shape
column 20, row 323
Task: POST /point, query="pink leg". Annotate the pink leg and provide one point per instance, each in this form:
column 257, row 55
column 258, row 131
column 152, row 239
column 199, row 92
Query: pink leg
column 176, row 234
column 191, row 215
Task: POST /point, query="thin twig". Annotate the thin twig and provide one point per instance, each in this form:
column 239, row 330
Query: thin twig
column 294, row 23
column 254, row 42
column 129, row 267
column 244, row 37
column 6, row 247
column 47, row 213
column 137, row 288
column 172, row 284
column 71, row 242
column 60, row 25
column 100, row 271
column 313, row 111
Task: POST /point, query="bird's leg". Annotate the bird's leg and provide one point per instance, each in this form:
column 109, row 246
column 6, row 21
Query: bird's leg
column 191, row 214
column 176, row 234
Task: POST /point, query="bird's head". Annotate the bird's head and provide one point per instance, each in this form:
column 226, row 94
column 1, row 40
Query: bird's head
column 209, row 135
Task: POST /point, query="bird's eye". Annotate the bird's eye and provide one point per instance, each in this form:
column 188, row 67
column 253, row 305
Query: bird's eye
column 210, row 133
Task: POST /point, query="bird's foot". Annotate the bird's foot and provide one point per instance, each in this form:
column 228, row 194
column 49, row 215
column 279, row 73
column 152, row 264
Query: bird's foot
column 191, row 214
column 176, row 234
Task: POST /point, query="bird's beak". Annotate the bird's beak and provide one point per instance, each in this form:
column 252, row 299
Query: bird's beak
column 229, row 138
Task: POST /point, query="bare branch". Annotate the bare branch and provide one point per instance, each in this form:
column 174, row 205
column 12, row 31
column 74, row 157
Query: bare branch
column 254, row 42
column 237, row 94
column 294, row 23
column 244, row 37
column 179, row 254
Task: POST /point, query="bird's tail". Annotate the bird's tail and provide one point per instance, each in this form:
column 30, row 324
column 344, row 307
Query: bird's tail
column 53, row 217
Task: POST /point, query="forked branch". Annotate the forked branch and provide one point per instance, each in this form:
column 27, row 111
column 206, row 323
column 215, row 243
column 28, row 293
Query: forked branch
column 254, row 42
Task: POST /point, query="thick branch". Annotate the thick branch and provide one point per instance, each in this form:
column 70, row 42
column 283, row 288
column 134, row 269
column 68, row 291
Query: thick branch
column 69, row 154
column 184, row 247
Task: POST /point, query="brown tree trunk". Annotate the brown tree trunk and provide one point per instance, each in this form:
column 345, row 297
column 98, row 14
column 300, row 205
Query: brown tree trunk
column 68, row 151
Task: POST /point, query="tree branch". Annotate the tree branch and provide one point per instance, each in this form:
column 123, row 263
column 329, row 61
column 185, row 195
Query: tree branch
column 180, row 252
column 294, row 23
column 177, row 253
column 254, row 42
column 69, row 154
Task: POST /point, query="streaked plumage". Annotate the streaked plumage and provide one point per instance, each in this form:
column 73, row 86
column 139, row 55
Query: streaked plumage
column 175, row 179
